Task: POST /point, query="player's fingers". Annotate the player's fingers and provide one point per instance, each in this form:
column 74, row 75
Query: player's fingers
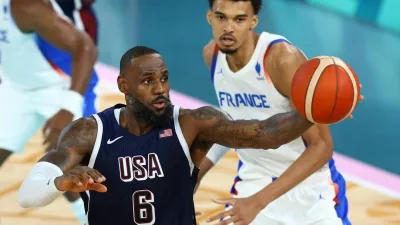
column 361, row 98
column 87, row 178
column 103, row 178
column 95, row 175
column 97, row 187
column 75, row 179
column 233, row 219
column 240, row 222
column 229, row 201
column 82, row 175
column 218, row 216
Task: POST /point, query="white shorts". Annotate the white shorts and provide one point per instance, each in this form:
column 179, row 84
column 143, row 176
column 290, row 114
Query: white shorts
column 23, row 113
column 306, row 204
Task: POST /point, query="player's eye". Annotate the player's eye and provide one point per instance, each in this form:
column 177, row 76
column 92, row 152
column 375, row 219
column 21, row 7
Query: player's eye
column 164, row 78
column 219, row 17
column 147, row 81
column 239, row 20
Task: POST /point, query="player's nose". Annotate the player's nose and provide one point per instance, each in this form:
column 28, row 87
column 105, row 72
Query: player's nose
column 159, row 89
column 228, row 28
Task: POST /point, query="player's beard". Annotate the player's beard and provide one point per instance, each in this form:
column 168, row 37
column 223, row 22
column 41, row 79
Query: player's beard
column 228, row 51
column 147, row 115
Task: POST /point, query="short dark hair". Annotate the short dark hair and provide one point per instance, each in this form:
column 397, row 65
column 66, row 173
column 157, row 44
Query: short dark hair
column 134, row 53
column 255, row 3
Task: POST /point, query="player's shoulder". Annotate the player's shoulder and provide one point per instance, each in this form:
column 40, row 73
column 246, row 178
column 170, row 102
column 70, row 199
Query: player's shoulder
column 208, row 50
column 28, row 7
column 82, row 126
column 282, row 52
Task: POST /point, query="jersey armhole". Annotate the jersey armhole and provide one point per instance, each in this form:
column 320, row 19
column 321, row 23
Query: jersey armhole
column 97, row 143
column 182, row 139
column 214, row 61
column 266, row 74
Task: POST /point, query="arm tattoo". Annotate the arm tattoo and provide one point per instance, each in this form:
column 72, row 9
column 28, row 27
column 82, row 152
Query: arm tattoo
column 78, row 135
column 76, row 140
column 271, row 133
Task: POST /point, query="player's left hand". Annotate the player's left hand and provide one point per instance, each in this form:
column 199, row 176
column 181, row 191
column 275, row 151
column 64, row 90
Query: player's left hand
column 243, row 211
column 53, row 127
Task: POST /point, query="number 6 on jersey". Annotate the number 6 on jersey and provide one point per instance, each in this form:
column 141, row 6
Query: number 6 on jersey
column 143, row 210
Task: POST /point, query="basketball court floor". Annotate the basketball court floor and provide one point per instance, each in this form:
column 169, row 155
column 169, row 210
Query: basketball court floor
column 368, row 205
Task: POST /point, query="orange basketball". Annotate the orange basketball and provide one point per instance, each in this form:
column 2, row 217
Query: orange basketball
column 325, row 90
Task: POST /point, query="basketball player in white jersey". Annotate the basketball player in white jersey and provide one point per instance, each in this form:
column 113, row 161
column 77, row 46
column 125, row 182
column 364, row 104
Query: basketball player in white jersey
column 32, row 92
column 297, row 183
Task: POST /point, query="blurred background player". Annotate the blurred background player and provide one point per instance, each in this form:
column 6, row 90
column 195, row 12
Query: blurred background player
column 252, row 76
column 47, row 60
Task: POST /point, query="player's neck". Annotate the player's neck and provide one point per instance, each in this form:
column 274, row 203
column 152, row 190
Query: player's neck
column 134, row 125
column 239, row 59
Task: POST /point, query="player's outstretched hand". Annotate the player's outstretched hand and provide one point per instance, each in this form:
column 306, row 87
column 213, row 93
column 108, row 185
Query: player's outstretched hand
column 243, row 211
column 79, row 179
column 359, row 100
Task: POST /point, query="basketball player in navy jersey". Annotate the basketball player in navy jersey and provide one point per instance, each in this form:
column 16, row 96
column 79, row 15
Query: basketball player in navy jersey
column 252, row 74
column 47, row 60
column 135, row 163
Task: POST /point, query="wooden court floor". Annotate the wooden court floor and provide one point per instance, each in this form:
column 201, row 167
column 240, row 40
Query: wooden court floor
column 367, row 207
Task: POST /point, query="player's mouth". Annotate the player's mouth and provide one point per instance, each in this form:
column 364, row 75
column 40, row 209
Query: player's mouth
column 160, row 104
column 228, row 40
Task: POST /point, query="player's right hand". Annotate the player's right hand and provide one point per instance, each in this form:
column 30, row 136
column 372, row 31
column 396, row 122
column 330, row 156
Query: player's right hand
column 79, row 179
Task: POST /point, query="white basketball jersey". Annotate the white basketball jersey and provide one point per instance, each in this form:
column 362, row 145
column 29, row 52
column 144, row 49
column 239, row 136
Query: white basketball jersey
column 250, row 94
column 21, row 60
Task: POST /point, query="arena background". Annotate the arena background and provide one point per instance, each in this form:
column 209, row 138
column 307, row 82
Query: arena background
column 363, row 33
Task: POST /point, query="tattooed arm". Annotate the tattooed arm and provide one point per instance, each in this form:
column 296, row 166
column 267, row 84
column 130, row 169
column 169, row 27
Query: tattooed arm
column 75, row 142
column 43, row 184
column 215, row 126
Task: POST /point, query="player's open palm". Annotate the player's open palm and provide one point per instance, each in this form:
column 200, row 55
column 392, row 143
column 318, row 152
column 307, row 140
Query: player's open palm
column 243, row 211
column 79, row 179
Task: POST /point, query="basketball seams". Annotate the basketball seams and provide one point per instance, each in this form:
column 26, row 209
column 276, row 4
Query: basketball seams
column 340, row 63
column 337, row 88
column 323, row 64
column 308, row 85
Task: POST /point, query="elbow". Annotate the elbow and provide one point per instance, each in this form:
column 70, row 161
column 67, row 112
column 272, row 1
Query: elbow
column 85, row 49
column 23, row 201
column 89, row 48
column 325, row 150
column 27, row 197
column 24, row 204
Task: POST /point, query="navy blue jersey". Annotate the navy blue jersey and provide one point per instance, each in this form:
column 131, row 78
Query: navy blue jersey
column 150, row 178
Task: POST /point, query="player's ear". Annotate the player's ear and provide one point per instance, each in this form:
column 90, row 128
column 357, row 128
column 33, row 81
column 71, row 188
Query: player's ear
column 209, row 14
column 122, row 85
column 254, row 21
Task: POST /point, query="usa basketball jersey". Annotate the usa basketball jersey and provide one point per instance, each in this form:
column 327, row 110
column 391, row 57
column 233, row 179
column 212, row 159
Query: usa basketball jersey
column 250, row 94
column 21, row 60
column 150, row 178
